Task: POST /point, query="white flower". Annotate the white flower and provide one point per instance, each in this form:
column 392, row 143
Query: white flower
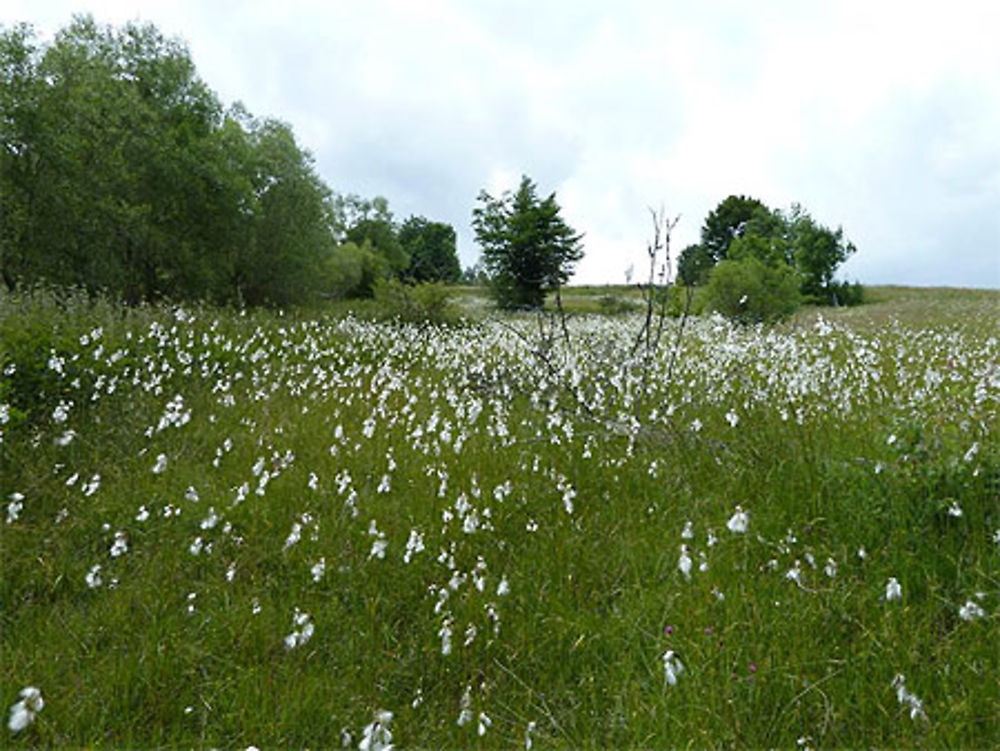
column 503, row 587
column 955, row 510
column 66, row 438
column 143, row 514
column 738, row 521
column 119, row 546
column 795, row 573
column 970, row 611
column 672, row 667
column 688, row 532
column 971, row 453
column 732, row 418
column 377, row 736
column 905, row 697
column 484, row 723
column 318, row 571
column 161, row 464
column 893, row 590
column 831, row 568
column 23, row 712
column 465, row 715
column 684, row 562
column 93, row 577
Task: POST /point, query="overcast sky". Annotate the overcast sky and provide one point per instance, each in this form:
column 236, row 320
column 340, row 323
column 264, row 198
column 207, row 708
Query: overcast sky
column 882, row 117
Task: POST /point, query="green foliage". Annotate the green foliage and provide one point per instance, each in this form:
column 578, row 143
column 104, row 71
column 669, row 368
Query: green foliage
column 528, row 250
column 729, row 220
column 751, row 291
column 817, row 251
column 353, row 271
column 430, row 247
column 121, row 172
column 561, row 530
column 426, row 302
column 694, row 265
column 741, row 227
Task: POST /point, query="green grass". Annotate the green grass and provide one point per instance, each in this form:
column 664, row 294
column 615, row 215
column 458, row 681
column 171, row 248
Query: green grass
column 572, row 486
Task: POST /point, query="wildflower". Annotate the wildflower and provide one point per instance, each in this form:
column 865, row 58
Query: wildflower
column 119, row 546
column 93, row 577
column 831, row 568
column 732, row 418
column 318, row 570
column 195, row 547
column 795, row 573
column 465, row 714
column 672, row 667
column 971, row 453
column 376, row 736
column 484, row 723
column 688, row 532
column 955, row 510
column 527, row 735
column 738, row 521
column 161, row 464
column 503, row 587
column 906, row 698
column 191, row 494
column 91, row 487
column 15, row 507
column 66, row 438
column 445, row 633
column 891, row 440
column 23, row 712
column 684, row 562
column 142, row 515
column 893, row 590
column 302, row 630
column 970, row 611
column 414, row 545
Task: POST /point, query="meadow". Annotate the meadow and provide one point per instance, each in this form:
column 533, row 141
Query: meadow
column 228, row 529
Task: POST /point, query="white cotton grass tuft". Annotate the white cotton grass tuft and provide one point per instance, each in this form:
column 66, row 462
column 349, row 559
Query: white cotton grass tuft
column 377, row 736
column 672, row 667
column 915, row 705
column 739, row 521
column 970, row 611
column 893, row 590
column 684, row 562
column 23, row 712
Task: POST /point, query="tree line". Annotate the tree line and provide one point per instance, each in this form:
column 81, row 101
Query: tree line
column 122, row 172
column 785, row 251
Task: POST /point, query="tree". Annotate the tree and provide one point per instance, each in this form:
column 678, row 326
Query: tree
column 729, row 220
column 817, row 252
column 528, row 249
column 430, row 247
column 751, row 291
column 119, row 171
column 371, row 221
column 694, row 265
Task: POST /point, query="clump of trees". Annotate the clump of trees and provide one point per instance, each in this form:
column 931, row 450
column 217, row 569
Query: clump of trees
column 121, row 172
column 528, row 249
column 760, row 263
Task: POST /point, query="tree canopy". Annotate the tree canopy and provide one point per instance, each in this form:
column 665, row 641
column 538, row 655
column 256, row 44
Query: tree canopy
column 528, row 250
column 121, row 171
column 741, row 228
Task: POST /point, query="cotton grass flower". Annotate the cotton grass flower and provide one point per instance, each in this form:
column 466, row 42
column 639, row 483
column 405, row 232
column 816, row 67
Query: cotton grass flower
column 684, row 562
column 739, row 521
column 672, row 667
column 893, row 590
column 23, row 712
column 970, row 611
column 915, row 705
column 376, row 736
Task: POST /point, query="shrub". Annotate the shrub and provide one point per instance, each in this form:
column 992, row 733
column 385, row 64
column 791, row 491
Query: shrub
column 429, row 302
column 750, row 291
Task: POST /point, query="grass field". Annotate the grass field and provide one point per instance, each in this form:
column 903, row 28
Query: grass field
column 224, row 530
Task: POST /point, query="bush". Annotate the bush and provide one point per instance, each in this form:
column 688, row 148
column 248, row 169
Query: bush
column 429, row 302
column 750, row 291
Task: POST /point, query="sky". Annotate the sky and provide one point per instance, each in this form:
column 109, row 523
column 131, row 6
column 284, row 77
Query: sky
column 882, row 117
